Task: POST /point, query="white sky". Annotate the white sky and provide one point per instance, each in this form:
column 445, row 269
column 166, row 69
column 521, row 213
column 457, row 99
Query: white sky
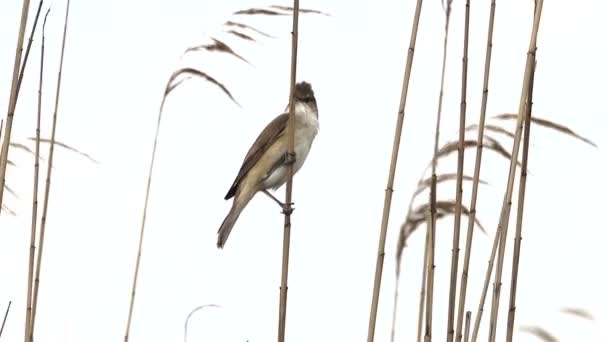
column 119, row 56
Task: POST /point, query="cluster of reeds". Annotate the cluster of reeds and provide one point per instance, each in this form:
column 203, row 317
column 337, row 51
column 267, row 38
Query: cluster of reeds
column 436, row 208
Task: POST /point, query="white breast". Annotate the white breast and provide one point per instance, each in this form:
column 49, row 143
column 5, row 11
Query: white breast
column 307, row 127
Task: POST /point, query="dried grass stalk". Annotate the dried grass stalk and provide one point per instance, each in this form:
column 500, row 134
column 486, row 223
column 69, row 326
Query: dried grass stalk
column 47, row 189
column 460, row 167
column 8, row 309
column 504, row 220
column 289, row 182
column 520, row 211
column 12, row 102
column 476, row 175
column 430, row 267
column 388, row 195
column 30, row 277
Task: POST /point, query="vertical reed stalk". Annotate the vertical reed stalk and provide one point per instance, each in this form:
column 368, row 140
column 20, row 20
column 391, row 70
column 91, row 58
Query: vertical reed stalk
column 433, row 192
column 48, row 175
column 486, row 284
column 520, row 210
column 30, row 277
column 473, row 204
column 388, row 194
column 27, row 49
column 459, row 177
column 425, row 261
column 12, row 103
column 467, row 326
column 289, row 183
column 504, row 221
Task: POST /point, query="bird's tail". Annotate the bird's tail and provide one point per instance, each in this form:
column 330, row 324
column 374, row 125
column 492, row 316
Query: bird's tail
column 240, row 201
column 226, row 227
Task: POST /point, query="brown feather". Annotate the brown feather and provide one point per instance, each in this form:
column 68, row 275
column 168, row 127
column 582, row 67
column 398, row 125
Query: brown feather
column 270, row 134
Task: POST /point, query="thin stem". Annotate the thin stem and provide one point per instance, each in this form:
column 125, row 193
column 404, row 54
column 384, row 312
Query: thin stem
column 427, row 241
column 476, row 175
column 30, row 277
column 459, row 177
column 48, row 174
column 8, row 309
column 520, row 211
column 504, row 222
column 12, row 103
column 388, row 195
column 486, row 284
column 433, row 191
column 289, row 183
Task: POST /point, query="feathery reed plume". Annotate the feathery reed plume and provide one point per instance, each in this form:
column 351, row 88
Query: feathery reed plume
column 504, row 219
column 467, row 326
column 12, row 103
column 520, row 209
column 549, row 124
column 391, row 175
column 67, row 147
column 47, row 189
column 201, row 307
column 170, row 86
column 460, row 172
column 30, row 277
column 289, row 183
column 430, row 267
column 8, row 309
column 473, row 204
column 540, row 333
column 578, row 312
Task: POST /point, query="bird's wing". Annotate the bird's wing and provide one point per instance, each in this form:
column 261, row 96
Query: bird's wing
column 269, row 135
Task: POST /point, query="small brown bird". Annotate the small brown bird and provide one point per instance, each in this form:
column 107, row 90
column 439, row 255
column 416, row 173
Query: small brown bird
column 265, row 165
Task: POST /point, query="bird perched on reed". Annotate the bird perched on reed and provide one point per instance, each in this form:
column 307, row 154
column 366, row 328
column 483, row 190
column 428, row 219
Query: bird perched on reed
column 265, row 165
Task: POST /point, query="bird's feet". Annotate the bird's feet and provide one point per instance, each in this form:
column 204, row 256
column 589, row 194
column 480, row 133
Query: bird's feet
column 287, row 207
column 290, row 158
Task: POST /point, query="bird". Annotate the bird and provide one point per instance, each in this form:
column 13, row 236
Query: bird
column 265, row 165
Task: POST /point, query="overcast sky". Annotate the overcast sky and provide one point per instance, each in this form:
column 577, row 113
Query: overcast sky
column 118, row 58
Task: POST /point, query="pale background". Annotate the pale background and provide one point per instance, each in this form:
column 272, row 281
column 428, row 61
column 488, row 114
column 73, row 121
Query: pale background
column 119, row 56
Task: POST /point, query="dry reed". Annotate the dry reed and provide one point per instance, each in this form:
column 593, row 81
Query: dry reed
column 504, row 219
column 430, row 267
column 459, row 178
column 12, row 103
column 391, row 175
column 467, row 326
column 473, row 204
column 289, row 183
column 520, row 210
column 48, row 175
column 32, row 249
column 8, row 309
